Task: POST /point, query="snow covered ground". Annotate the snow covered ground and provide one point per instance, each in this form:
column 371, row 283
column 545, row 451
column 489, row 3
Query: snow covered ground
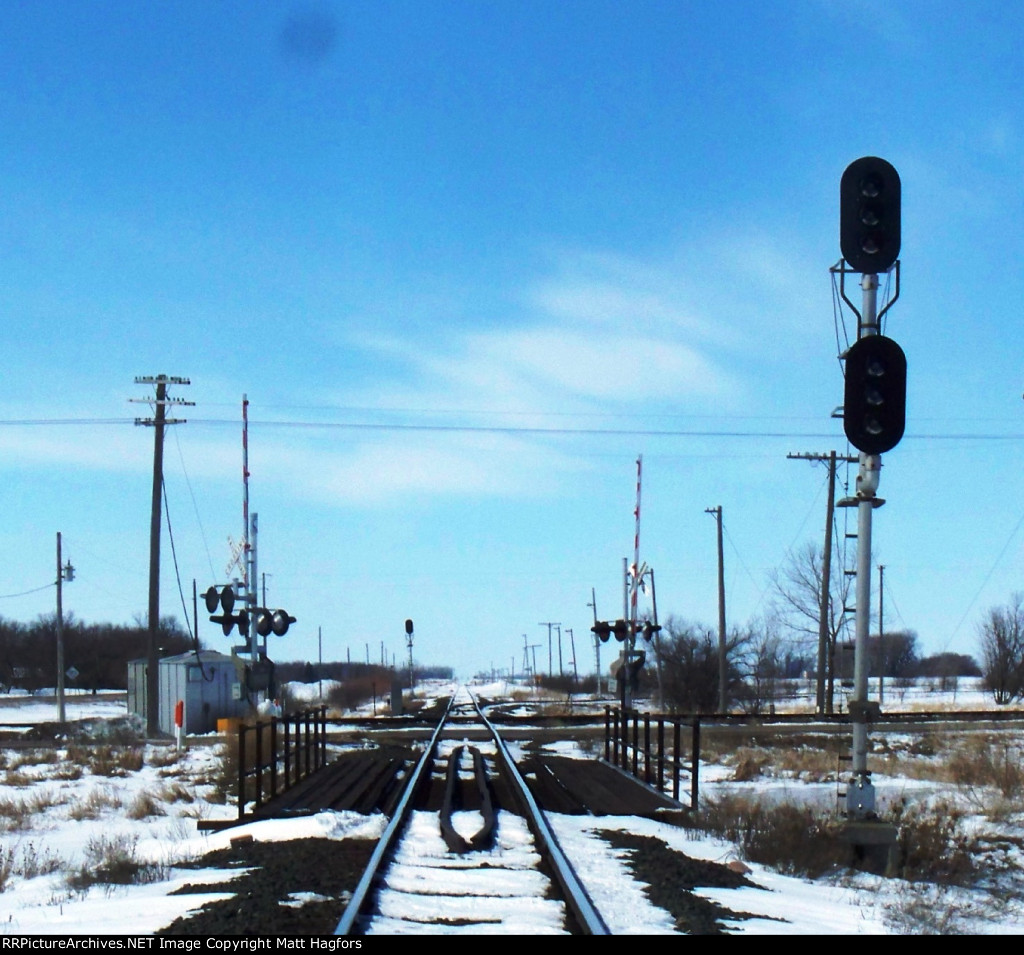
column 62, row 817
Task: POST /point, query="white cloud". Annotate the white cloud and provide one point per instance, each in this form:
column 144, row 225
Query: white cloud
column 411, row 465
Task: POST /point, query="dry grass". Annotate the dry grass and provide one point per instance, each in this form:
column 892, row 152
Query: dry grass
column 17, row 815
column 985, row 761
column 225, row 785
column 34, row 757
column 144, row 806
column 106, row 760
column 18, row 780
column 176, row 792
column 166, row 757
column 94, row 804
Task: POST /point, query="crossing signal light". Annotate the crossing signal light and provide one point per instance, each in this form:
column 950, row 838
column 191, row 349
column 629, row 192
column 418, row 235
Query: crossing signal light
column 225, row 600
column 603, row 629
column 621, row 629
column 650, row 629
column 228, row 621
column 875, row 396
column 267, row 621
column 869, row 215
column 276, row 622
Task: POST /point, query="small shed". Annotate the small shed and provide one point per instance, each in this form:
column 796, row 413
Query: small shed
column 207, row 683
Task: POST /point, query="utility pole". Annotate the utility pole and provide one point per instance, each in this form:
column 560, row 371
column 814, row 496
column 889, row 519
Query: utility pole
column 550, row 660
column 657, row 640
column 825, row 659
column 64, row 572
column 597, row 641
column 722, row 701
column 572, row 646
column 158, row 423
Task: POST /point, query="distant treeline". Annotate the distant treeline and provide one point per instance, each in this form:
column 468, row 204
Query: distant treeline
column 98, row 651
column 306, row 672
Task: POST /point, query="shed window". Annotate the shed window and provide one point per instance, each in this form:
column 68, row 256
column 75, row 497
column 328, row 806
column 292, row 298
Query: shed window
column 195, row 674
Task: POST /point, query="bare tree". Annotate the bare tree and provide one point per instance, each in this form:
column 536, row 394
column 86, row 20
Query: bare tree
column 765, row 667
column 688, row 655
column 1002, row 651
column 798, row 593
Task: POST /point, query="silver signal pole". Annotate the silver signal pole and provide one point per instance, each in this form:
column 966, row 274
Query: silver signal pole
column 860, row 794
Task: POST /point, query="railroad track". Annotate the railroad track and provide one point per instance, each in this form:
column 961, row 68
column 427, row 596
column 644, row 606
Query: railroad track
column 468, row 848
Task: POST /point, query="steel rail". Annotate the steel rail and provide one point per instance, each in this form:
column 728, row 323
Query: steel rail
column 580, row 903
column 390, row 835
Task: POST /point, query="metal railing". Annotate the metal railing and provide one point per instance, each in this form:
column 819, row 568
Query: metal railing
column 276, row 754
column 650, row 759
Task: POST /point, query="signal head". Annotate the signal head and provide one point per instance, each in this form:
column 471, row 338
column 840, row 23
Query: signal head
column 869, row 215
column 875, row 394
column 603, row 630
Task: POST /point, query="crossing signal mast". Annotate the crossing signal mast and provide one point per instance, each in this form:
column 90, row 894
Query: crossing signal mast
column 629, row 626
column 874, row 408
column 255, row 623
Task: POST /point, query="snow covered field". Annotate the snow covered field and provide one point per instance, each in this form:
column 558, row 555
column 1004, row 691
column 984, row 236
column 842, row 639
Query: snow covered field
column 62, row 818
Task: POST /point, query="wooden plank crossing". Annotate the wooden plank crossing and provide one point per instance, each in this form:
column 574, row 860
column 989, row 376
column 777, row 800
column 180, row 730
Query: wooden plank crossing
column 366, row 780
column 576, row 786
column 361, row 781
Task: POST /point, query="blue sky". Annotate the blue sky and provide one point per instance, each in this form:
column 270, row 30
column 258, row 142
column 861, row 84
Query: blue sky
column 418, row 235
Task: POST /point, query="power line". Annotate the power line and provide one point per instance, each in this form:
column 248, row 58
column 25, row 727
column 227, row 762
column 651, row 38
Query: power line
column 510, row 429
column 23, row 593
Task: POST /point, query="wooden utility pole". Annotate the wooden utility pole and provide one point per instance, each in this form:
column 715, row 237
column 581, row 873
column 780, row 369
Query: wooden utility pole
column 63, row 573
column 722, row 662
column 825, row 658
column 157, row 422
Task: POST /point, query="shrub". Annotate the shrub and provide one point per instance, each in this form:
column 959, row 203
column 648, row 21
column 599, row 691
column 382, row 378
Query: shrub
column 114, row 861
column 933, row 845
column 225, row 785
column 6, row 866
column 984, row 762
column 793, row 839
column 33, row 863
